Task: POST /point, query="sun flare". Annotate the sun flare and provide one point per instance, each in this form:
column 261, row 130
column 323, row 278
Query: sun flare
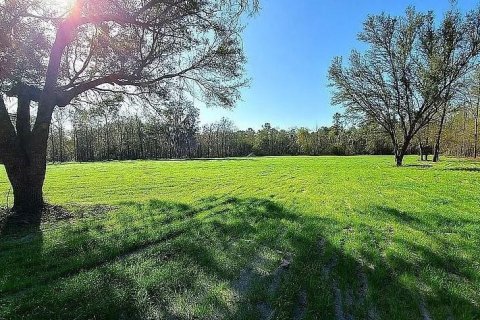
column 61, row 5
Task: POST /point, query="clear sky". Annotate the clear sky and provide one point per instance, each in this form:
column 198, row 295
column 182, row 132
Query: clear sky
column 290, row 45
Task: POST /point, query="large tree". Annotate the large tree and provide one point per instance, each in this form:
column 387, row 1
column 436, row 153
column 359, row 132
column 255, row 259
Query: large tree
column 472, row 102
column 53, row 55
column 409, row 71
column 180, row 126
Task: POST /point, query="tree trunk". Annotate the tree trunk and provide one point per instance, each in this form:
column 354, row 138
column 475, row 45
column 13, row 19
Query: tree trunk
column 24, row 156
column 420, row 148
column 401, row 150
column 475, row 146
column 436, row 151
column 463, row 151
column 27, row 177
column 399, row 159
column 399, row 154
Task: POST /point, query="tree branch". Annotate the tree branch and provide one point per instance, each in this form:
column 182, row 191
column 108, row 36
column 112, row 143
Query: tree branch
column 7, row 131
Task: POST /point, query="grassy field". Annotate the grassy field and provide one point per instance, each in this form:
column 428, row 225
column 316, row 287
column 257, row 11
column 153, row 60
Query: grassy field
column 260, row 238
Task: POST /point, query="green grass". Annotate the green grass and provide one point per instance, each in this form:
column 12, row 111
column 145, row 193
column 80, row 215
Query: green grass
column 206, row 240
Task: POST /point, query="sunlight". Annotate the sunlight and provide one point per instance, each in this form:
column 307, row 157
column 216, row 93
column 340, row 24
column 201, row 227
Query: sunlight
column 239, row 159
column 61, row 5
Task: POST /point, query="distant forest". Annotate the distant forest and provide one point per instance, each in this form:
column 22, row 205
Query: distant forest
column 174, row 132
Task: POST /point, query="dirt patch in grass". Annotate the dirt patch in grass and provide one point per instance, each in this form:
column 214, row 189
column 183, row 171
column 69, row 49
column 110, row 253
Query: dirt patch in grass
column 82, row 211
column 10, row 224
column 52, row 213
column 248, row 275
column 278, row 274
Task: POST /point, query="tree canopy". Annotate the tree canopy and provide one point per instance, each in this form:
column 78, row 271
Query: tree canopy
column 411, row 68
column 142, row 46
column 96, row 50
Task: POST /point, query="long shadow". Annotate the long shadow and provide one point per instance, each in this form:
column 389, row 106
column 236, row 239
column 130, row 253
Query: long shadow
column 81, row 251
column 466, row 169
column 223, row 258
column 434, row 221
column 21, row 246
column 182, row 159
column 420, row 166
column 221, row 159
column 12, row 224
column 396, row 214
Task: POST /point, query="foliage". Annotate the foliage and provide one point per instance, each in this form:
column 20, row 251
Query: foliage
column 133, row 46
column 411, row 69
column 173, row 132
column 101, row 52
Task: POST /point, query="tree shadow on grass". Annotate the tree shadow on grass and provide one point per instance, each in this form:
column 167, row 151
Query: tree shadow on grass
column 433, row 222
column 418, row 165
column 11, row 224
column 466, row 169
column 394, row 213
column 20, row 251
column 221, row 258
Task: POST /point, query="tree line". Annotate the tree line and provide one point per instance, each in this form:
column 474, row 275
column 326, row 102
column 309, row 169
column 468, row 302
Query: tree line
column 175, row 132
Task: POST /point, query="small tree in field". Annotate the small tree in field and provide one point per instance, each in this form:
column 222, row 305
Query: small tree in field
column 409, row 71
column 53, row 56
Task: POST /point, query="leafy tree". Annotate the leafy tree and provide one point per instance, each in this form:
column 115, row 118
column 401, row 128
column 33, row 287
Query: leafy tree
column 474, row 99
column 408, row 73
column 304, row 141
column 142, row 49
column 180, row 126
column 264, row 140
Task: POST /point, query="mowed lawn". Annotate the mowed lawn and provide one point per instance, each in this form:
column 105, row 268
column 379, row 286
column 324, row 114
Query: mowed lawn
column 258, row 238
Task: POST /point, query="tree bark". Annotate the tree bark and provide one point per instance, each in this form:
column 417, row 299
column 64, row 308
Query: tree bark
column 27, row 178
column 463, row 149
column 400, row 154
column 436, row 150
column 475, row 145
column 399, row 159
column 24, row 152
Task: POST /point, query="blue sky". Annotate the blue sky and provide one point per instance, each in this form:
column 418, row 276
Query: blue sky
column 290, row 45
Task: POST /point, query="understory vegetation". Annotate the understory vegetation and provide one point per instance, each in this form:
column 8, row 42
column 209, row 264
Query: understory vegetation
column 252, row 238
column 175, row 132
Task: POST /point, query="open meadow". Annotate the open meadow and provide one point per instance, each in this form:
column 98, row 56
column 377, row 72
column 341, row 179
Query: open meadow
column 251, row 238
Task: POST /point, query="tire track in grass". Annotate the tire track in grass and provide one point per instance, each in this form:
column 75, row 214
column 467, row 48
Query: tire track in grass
column 423, row 310
column 300, row 310
column 339, row 315
column 326, row 270
column 244, row 282
column 350, row 298
column 278, row 274
column 362, row 294
column 266, row 310
column 247, row 276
